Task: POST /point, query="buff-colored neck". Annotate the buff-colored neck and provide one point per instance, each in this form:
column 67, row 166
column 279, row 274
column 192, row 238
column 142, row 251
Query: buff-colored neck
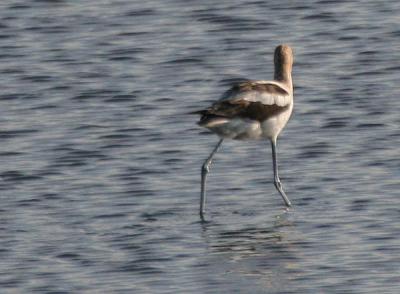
column 283, row 74
column 283, row 65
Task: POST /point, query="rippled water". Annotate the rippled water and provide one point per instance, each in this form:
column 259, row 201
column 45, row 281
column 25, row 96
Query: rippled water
column 100, row 163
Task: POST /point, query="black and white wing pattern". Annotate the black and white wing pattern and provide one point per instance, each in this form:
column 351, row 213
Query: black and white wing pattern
column 257, row 100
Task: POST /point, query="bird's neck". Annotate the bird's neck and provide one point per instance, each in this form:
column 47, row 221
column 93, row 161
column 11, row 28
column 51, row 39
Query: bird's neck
column 283, row 74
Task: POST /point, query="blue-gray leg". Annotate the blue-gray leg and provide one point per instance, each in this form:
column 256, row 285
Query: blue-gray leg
column 204, row 171
column 277, row 181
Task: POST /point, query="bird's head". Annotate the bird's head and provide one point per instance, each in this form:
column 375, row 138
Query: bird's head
column 283, row 55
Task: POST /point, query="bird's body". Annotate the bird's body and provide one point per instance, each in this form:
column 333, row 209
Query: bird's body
column 253, row 110
column 250, row 110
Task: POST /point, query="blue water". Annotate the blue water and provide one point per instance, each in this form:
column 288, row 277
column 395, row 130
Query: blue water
column 100, row 163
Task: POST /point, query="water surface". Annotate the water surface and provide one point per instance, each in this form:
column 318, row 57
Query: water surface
column 100, row 163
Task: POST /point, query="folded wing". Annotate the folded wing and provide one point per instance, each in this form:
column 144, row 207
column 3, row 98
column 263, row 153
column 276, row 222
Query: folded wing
column 251, row 100
column 267, row 93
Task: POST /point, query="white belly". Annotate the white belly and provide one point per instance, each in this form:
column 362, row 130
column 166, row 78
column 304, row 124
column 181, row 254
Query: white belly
column 273, row 126
column 237, row 128
column 244, row 129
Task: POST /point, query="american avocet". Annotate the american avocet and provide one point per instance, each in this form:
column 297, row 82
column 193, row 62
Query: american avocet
column 252, row 110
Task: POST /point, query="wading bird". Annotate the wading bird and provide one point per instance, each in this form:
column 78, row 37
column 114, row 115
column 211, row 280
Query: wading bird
column 252, row 110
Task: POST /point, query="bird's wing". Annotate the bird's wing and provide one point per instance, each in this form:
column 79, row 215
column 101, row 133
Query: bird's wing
column 249, row 100
column 264, row 92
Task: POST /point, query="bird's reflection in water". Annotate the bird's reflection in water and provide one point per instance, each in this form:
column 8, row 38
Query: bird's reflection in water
column 247, row 239
column 263, row 251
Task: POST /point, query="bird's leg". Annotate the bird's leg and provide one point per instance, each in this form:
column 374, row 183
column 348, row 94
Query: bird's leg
column 277, row 181
column 204, row 171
